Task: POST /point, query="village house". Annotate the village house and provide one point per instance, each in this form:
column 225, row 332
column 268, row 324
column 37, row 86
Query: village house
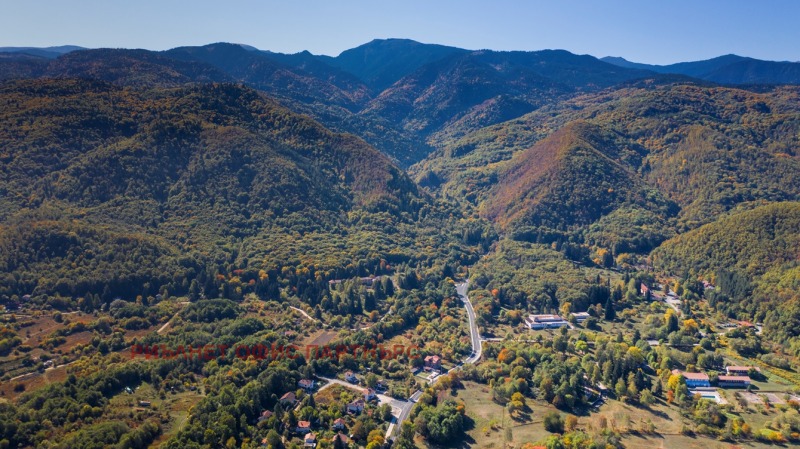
column 289, row 399
column 351, row 377
column 733, row 381
column 344, row 439
column 265, row 415
column 538, row 322
column 339, row 424
column 303, row 427
column 370, row 395
column 433, row 362
column 643, row 289
column 369, row 281
column 306, row 384
column 310, row 440
column 356, row 406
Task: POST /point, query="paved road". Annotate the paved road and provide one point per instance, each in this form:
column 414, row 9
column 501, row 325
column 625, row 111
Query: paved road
column 475, row 333
column 475, row 337
column 400, row 408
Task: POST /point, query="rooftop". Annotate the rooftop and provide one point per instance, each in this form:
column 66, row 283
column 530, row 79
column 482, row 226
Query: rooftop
column 734, row 379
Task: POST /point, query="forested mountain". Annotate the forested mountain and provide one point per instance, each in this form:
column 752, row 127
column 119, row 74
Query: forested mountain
column 727, row 69
column 127, row 185
column 382, row 62
column 571, row 179
column 138, row 68
column 401, row 96
column 703, row 148
column 467, row 91
column 752, row 256
column 666, row 154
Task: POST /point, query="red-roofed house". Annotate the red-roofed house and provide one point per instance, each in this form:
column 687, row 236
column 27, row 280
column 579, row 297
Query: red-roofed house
column 433, row 362
column 306, row 384
column 339, row 424
column 733, row 381
column 310, row 440
column 695, row 380
column 289, row 399
column 265, row 415
column 303, row 427
column 356, row 406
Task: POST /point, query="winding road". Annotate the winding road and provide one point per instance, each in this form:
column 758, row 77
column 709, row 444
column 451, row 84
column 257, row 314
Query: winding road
column 475, row 333
column 475, row 336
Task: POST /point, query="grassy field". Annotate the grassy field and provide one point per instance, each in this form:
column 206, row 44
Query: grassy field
column 684, row 442
column 125, row 406
column 489, row 421
column 334, row 394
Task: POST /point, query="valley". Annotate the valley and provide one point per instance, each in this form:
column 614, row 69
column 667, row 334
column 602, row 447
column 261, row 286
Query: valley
column 572, row 252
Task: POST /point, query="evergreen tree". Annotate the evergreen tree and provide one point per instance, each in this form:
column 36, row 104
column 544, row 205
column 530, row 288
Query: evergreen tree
column 194, row 290
column 610, row 313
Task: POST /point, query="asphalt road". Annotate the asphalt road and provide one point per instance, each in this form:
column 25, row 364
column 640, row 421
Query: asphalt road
column 475, row 335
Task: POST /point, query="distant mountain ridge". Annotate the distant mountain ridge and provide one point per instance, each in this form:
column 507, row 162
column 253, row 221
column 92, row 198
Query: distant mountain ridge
column 401, row 96
column 382, row 62
column 727, row 69
column 45, row 52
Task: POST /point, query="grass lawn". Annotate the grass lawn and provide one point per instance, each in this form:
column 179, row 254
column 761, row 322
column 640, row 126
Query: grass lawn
column 484, row 413
column 489, row 420
column 684, row 442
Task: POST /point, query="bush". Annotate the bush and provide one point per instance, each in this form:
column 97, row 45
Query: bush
column 553, row 422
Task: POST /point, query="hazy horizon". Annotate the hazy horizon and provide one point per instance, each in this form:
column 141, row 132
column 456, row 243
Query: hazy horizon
column 683, row 31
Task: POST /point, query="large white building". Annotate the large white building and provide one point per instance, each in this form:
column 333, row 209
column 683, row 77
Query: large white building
column 537, row 322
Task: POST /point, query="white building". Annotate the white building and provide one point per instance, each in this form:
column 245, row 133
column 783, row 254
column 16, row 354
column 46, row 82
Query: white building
column 537, row 322
column 581, row 316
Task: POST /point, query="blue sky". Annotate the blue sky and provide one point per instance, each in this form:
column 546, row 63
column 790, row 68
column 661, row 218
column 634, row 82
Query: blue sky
column 650, row 31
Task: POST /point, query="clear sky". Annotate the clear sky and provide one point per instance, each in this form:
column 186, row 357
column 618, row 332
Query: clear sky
column 651, row 31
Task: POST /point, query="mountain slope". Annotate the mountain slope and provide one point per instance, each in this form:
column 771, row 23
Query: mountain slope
column 704, row 148
column 403, row 97
column 751, row 241
column 263, row 72
column 571, row 179
column 206, row 174
column 138, row 68
column 449, row 97
column 754, row 258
